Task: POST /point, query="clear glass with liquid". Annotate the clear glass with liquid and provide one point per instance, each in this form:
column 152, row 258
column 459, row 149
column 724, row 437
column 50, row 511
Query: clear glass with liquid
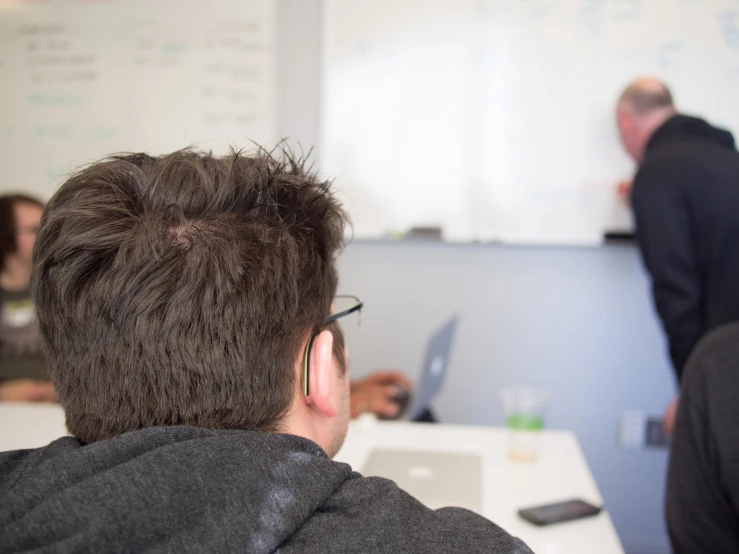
column 524, row 411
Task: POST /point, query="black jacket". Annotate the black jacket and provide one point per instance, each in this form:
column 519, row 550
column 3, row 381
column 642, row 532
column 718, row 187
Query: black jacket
column 702, row 502
column 184, row 489
column 686, row 203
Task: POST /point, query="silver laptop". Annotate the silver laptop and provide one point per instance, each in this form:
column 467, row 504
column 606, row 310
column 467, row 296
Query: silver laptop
column 437, row 479
column 434, row 367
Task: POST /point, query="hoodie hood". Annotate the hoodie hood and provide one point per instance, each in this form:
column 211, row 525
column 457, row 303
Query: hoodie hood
column 168, row 489
column 682, row 128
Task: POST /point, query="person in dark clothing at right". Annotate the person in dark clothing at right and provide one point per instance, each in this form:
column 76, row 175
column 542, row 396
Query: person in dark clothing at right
column 703, row 482
column 685, row 198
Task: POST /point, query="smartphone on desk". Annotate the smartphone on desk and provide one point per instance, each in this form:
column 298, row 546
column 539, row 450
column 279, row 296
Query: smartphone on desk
column 559, row 512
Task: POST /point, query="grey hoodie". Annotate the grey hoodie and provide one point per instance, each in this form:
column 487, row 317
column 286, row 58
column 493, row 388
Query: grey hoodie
column 185, row 489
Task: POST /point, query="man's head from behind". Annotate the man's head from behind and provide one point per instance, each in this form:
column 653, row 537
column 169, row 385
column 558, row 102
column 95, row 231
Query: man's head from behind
column 643, row 107
column 183, row 289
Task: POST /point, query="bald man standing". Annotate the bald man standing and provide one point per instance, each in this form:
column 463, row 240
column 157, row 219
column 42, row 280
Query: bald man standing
column 685, row 198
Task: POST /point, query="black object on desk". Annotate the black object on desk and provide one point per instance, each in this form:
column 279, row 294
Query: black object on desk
column 619, row 236
column 402, row 397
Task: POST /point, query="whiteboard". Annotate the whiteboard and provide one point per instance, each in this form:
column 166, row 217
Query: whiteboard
column 495, row 119
column 80, row 79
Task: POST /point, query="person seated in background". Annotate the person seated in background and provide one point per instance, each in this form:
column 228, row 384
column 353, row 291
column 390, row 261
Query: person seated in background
column 185, row 304
column 23, row 375
column 702, row 502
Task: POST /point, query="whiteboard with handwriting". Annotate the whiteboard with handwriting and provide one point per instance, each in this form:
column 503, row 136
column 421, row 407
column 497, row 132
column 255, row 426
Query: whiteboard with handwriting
column 80, row 79
column 494, row 119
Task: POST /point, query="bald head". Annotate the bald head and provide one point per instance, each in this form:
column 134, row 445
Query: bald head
column 646, row 95
column 643, row 107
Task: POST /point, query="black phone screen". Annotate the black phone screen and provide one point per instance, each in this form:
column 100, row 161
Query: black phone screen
column 558, row 512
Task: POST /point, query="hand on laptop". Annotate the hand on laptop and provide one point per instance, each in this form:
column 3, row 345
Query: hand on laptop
column 377, row 393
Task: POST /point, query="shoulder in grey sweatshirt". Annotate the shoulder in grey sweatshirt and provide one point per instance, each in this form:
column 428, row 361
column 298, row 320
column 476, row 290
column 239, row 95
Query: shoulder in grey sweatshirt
column 184, row 489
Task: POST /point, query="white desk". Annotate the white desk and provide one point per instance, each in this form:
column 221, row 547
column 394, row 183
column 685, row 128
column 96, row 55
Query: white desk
column 29, row 425
column 560, row 473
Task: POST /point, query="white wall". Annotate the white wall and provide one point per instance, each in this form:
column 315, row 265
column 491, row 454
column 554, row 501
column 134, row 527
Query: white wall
column 577, row 322
column 298, row 71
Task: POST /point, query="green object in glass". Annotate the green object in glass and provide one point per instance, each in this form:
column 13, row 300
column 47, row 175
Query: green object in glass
column 525, row 422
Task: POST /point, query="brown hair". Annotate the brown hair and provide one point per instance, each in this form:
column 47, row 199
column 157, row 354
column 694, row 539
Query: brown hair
column 178, row 290
column 8, row 224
